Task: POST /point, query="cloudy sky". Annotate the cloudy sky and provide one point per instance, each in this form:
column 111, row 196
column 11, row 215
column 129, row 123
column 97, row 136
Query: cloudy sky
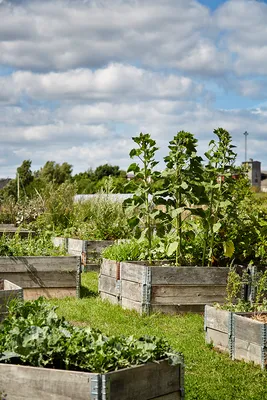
column 79, row 78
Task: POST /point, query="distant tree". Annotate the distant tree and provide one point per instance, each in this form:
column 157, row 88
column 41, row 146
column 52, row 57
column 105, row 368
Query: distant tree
column 53, row 172
column 106, row 170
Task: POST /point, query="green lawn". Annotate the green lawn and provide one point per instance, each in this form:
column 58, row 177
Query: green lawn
column 209, row 375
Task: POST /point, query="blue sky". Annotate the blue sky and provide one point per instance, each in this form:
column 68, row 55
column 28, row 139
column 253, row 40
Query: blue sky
column 79, row 78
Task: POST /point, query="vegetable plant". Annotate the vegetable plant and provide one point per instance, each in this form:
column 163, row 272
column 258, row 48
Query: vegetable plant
column 182, row 186
column 33, row 334
column 142, row 201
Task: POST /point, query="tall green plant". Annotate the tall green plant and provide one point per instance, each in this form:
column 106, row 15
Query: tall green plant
column 141, row 202
column 182, row 187
column 219, row 185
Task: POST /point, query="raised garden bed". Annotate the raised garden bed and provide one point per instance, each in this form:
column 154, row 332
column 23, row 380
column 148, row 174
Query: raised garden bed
column 11, row 230
column 51, row 277
column 161, row 288
column 242, row 337
column 8, row 291
column 159, row 381
column 88, row 250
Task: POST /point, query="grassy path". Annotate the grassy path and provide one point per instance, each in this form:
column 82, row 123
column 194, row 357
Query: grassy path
column 209, row 374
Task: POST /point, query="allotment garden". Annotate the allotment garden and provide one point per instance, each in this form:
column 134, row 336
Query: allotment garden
column 161, row 296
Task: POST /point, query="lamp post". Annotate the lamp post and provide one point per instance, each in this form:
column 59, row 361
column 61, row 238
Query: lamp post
column 246, row 144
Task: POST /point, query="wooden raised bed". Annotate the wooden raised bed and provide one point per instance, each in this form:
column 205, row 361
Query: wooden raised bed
column 158, row 381
column 161, row 288
column 11, row 230
column 88, row 250
column 247, row 337
column 43, row 276
column 8, row 291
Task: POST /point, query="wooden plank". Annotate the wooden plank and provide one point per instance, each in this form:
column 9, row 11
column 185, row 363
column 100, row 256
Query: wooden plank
column 107, row 284
column 109, row 297
column 131, row 305
column 177, row 294
column 220, row 340
column 109, row 268
column 247, row 351
column 49, row 293
column 59, row 242
column 42, row 279
column 144, row 382
column 91, row 267
column 217, row 319
column 247, row 329
column 21, row 264
column 132, row 272
column 131, row 290
column 189, row 275
column 177, row 308
column 21, row 382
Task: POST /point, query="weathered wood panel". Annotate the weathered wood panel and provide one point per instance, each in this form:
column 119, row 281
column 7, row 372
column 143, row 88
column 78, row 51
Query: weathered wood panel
column 131, row 305
column 220, row 340
column 108, row 285
column 217, row 319
column 247, row 351
column 95, row 247
column 153, row 381
column 131, row 290
column 110, row 268
column 189, row 275
column 144, row 382
column 177, row 308
column 132, row 272
column 43, row 272
column 49, row 293
column 109, row 297
column 20, row 382
column 247, row 329
column 178, row 294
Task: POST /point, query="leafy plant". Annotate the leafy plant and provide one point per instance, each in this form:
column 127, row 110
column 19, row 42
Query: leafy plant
column 218, row 185
column 33, row 334
column 182, row 186
column 40, row 245
column 142, row 201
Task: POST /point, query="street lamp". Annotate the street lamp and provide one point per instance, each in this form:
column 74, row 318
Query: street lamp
column 246, row 144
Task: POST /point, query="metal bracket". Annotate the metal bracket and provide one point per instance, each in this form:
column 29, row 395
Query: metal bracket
column 96, row 387
column 182, row 391
column 78, row 278
column 105, row 393
column 263, row 346
column 146, row 290
column 231, row 335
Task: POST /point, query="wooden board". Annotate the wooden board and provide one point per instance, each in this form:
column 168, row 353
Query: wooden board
column 177, row 308
column 131, row 305
column 132, row 272
column 131, row 290
column 144, row 382
column 217, row 319
column 153, row 381
column 43, row 272
column 108, row 285
column 8, row 291
column 178, row 294
column 247, row 329
column 97, row 246
column 189, row 275
column 109, row 268
column 49, row 293
column 109, row 297
column 247, row 351
column 220, row 340
column 29, row 383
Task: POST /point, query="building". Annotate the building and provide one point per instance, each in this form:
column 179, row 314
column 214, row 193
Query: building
column 254, row 172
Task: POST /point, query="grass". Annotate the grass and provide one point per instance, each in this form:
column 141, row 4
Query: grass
column 209, row 375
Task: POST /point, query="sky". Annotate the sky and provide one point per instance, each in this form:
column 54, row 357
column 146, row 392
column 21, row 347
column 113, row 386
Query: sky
column 80, row 78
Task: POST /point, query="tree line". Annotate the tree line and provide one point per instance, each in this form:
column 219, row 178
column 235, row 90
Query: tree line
column 28, row 183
